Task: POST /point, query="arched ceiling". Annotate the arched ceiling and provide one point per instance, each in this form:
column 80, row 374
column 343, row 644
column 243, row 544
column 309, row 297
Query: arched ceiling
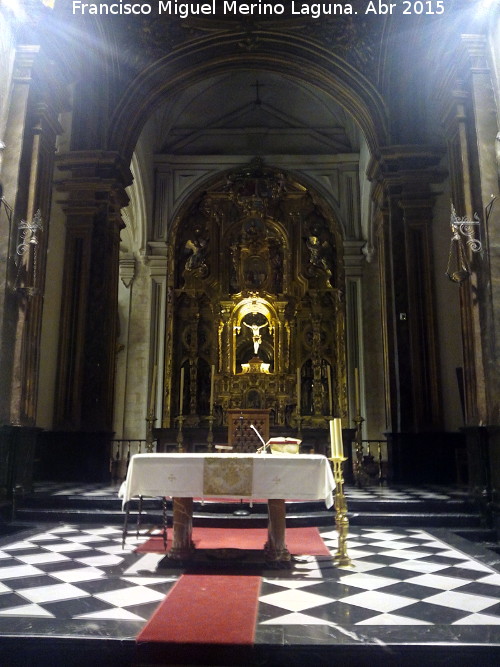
column 241, row 112
column 252, row 112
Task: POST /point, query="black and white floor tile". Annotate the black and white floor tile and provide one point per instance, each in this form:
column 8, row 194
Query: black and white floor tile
column 78, row 580
column 70, row 573
column 398, row 577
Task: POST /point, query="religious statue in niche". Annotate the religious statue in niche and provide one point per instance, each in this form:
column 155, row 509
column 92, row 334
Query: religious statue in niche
column 320, row 247
column 254, row 344
column 196, row 249
column 276, row 256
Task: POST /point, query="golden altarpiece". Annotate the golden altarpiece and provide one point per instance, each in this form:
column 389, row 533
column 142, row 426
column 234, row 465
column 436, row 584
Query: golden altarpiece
column 255, row 313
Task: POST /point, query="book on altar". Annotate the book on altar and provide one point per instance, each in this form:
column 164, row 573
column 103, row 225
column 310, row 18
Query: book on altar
column 281, row 445
column 280, row 439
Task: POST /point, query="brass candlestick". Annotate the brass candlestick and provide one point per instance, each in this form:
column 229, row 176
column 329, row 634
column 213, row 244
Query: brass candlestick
column 210, row 436
column 341, row 521
column 180, row 437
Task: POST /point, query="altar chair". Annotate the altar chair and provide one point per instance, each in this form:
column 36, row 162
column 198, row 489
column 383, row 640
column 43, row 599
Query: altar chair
column 240, row 436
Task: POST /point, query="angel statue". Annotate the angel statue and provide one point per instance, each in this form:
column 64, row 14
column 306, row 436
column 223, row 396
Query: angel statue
column 256, row 336
column 197, row 250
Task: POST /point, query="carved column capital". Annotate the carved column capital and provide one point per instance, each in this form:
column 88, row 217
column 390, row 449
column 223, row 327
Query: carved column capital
column 127, row 270
column 407, row 172
column 91, row 179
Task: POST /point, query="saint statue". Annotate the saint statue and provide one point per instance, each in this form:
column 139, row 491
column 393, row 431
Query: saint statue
column 256, row 336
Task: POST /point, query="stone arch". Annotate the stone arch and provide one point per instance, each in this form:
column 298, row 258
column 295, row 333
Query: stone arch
column 291, row 56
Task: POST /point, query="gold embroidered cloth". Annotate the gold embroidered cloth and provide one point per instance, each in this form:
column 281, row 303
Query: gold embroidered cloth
column 222, row 476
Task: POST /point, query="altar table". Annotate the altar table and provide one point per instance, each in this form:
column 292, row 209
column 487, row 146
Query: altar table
column 273, row 477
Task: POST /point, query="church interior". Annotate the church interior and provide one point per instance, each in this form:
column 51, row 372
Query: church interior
column 226, row 228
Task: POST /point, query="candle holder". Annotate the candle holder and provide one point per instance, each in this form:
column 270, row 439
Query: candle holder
column 359, row 472
column 180, row 437
column 210, row 436
column 341, row 521
column 150, row 420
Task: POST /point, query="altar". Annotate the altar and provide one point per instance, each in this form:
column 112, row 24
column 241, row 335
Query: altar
column 270, row 477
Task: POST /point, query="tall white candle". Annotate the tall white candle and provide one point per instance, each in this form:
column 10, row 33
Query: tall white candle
column 298, row 390
column 153, row 391
column 332, row 438
column 181, row 392
column 337, row 449
column 212, row 378
column 330, row 395
column 338, row 438
column 356, row 390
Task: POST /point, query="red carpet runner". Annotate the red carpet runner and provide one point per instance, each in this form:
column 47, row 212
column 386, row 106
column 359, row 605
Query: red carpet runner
column 300, row 541
column 206, row 609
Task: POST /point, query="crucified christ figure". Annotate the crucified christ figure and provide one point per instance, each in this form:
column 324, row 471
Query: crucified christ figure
column 256, row 336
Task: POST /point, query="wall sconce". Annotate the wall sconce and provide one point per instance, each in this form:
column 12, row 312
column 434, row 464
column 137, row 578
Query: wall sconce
column 28, row 238
column 28, row 232
column 458, row 268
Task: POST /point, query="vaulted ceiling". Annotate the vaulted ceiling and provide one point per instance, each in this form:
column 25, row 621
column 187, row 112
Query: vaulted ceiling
column 253, row 112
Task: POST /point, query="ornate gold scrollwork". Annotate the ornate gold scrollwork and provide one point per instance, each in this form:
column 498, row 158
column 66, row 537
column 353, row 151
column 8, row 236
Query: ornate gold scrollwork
column 256, row 296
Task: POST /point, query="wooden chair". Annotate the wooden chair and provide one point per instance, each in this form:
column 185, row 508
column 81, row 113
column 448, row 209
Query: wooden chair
column 241, row 437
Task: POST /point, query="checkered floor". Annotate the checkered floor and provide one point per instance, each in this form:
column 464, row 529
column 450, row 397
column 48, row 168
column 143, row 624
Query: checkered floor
column 78, row 581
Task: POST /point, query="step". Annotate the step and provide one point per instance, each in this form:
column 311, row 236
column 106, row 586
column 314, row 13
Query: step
column 454, row 513
column 155, row 518
column 420, row 520
column 254, row 517
column 114, row 504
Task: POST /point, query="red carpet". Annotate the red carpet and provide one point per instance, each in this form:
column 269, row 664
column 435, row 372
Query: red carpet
column 300, row 541
column 206, row 609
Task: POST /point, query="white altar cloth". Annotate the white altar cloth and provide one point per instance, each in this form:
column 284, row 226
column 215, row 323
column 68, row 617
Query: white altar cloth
column 239, row 476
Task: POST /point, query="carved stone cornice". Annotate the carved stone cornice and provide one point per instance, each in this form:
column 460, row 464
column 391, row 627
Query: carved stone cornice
column 407, row 172
column 91, row 179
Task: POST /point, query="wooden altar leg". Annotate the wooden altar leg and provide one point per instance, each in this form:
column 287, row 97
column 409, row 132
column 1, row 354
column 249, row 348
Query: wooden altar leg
column 165, row 522
column 275, row 548
column 182, row 545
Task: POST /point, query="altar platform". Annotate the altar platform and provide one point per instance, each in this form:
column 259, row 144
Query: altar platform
column 415, row 595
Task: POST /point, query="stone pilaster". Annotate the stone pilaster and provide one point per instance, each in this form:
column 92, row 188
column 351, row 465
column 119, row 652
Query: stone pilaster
column 94, row 183
column 405, row 198
column 467, row 103
column 30, row 139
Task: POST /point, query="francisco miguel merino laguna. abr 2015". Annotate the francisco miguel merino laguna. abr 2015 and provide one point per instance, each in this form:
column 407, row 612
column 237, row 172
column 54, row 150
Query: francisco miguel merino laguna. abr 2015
column 222, row 7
